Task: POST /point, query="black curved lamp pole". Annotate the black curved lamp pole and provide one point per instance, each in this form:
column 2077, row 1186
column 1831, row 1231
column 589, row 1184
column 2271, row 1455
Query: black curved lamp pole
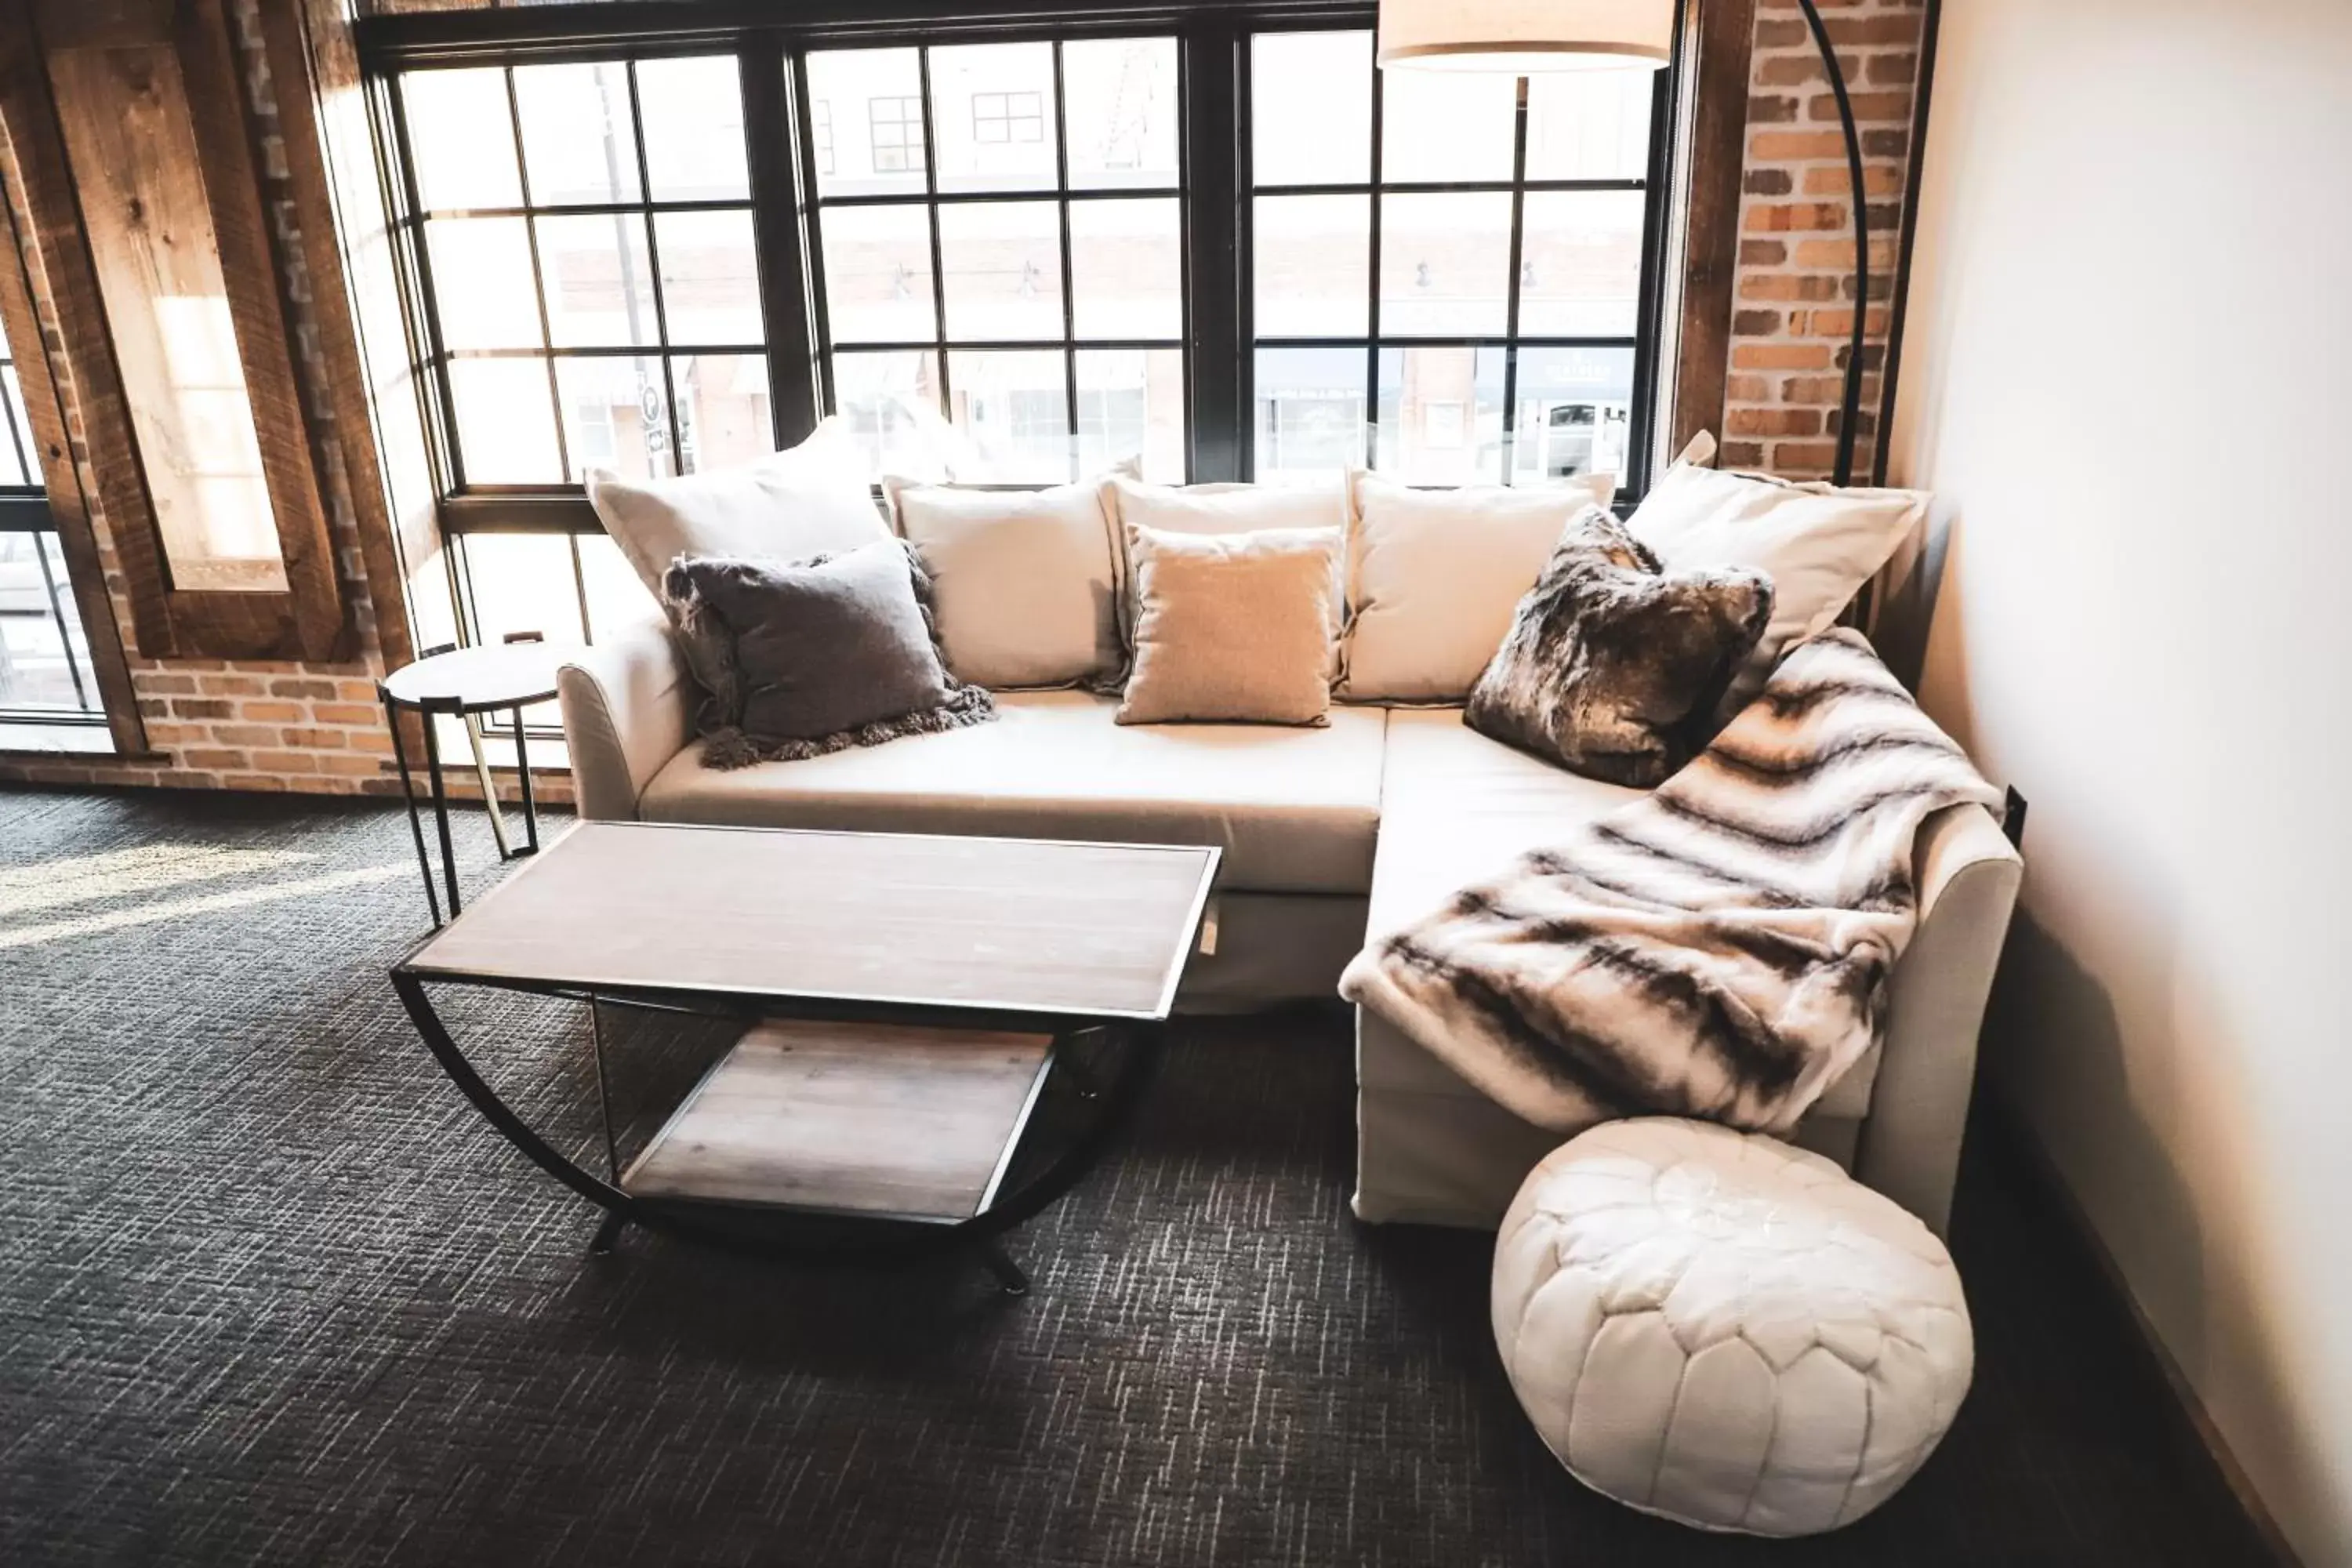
column 1850, row 410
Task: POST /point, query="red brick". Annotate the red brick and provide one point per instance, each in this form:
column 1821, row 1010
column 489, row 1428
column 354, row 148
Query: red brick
column 286, row 761
column 344, row 765
column 234, row 685
column 1793, row 287
column 1762, row 252
column 255, row 782
column 1739, row 454
column 311, row 740
column 1832, row 180
column 1746, row 388
column 202, row 708
column 345, row 713
column 356, row 691
column 1869, row 107
column 1780, row 356
column 304, row 690
column 1772, row 421
column 208, row 757
column 1788, row 455
column 1779, row 217
column 272, row 711
column 166, row 685
column 244, row 734
column 1794, row 146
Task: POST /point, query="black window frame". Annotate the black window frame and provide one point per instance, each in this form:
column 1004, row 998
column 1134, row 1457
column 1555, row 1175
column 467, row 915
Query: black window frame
column 1217, row 189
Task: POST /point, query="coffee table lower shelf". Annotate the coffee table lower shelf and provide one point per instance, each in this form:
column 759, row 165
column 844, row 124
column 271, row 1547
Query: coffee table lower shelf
column 881, row 1120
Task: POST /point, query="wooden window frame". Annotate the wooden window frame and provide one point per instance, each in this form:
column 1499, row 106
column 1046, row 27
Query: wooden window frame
column 308, row 620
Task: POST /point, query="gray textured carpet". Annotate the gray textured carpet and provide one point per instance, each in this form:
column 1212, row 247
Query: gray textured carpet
column 270, row 1291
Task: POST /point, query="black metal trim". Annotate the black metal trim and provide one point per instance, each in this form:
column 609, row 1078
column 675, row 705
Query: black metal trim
column 771, row 131
column 1899, row 293
column 1849, row 405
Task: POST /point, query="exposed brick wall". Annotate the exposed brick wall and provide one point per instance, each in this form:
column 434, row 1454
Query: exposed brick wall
column 1794, row 296
column 244, row 724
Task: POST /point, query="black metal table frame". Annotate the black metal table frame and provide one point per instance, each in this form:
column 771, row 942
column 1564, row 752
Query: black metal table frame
column 430, row 708
column 868, row 1239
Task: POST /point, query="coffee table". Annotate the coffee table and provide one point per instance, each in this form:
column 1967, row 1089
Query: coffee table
column 906, row 1000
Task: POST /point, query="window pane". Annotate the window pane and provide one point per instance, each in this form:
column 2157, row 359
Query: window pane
column 1580, row 264
column 710, row 276
column 1575, row 414
column 523, row 583
column 1311, row 107
column 1123, row 107
column 577, row 143
column 1001, row 264
column 18, row 466
column 481, row 282
column 693, row 115
column 1440, row 416
column 1312, row 257
column 722, row 409
column 878, row 275
column 872, row 120
column 1446, row 263
column 1131, row 403
column 993, row 116
column 1447, row 125
column 1127, row 266
column 1310, row 413
column 43, row 648
column 614, row 415
column 461, row 138
column 891, row 403
column 616, row 594
column 506, row 425
column 599, row 280
column 1012, row 411
column 1589, row 125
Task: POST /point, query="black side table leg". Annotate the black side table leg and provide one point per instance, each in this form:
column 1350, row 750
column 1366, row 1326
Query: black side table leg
column 607, row 1232
column 408, row 795
column 529, row 806
column 1007, row 1274
column 441, row 813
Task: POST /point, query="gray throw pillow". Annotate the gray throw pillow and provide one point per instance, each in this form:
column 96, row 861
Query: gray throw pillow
column 797, row 658
column 1612, row 668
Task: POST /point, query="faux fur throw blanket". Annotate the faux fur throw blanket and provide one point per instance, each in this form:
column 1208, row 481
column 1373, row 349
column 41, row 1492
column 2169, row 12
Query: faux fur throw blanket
column 1719, row 948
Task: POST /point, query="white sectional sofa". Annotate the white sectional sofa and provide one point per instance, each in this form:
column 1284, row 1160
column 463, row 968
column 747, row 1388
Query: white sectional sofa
column 1327, row 833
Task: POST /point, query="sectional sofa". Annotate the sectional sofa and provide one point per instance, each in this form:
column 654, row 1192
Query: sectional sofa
column 1327, row 833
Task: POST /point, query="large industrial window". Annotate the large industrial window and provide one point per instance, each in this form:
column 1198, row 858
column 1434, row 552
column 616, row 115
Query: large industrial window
column 1013, row 258
column 1447, row 271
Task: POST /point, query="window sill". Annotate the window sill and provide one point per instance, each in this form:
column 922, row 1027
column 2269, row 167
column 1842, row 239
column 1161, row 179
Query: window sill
column 27, row 737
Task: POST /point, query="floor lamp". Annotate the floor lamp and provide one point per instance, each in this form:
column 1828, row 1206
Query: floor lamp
column 1520, row 37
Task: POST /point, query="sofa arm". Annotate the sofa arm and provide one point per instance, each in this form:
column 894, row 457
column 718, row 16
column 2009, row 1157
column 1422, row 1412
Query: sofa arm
column 1968, row 875
column 628, row 708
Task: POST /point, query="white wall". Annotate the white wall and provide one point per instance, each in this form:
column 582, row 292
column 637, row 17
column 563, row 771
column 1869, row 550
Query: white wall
column 2128, row 373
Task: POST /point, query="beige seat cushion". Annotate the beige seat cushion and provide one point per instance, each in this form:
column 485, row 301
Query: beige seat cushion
column 1295, row 810
column 1456, row 807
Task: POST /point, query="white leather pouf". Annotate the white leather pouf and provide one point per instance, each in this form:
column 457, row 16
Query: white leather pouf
column 1714, row 1327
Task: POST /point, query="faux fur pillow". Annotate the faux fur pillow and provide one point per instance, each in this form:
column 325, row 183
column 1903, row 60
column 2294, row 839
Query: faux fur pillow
column 804, row 657
column 1613, row 669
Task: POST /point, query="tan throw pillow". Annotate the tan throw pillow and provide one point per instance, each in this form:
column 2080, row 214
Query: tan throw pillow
column 1232, row 627
column 1024, row 583
column 1434, row 577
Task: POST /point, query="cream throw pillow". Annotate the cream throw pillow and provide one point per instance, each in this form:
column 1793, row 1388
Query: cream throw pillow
column 1818, row 543
column 809, row 499
column 1232, row 627
column 1435, row 577
column 1024, row 584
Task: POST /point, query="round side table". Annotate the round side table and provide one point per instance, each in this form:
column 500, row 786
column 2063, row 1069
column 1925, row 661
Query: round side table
column 464, row 683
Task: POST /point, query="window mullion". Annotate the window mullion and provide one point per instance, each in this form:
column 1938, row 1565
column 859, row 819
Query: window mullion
column 1511, row 298
column 775, row 127
column 1215, row 166
column 929, row 112
column 653, row 264
column 538, row 279
column 1372, row 306
column 1069, row 284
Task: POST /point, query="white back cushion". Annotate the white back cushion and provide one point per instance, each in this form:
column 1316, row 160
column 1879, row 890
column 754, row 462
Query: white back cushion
column 1817, row 542
column 806, row 500
column 1434, row 576
column 1024, row 584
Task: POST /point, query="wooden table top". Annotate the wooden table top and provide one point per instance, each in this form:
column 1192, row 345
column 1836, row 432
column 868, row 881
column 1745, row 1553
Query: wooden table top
column 987, row 924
